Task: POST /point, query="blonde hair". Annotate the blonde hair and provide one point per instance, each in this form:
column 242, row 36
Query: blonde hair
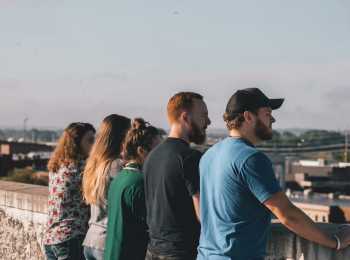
column 105, row 150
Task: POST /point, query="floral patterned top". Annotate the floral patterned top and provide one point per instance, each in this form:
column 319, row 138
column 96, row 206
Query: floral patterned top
column 68, row 213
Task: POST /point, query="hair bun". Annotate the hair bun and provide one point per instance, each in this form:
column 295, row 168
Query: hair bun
column 138, row 123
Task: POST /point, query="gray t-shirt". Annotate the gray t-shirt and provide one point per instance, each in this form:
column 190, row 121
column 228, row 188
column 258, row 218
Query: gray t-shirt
column 96, row 234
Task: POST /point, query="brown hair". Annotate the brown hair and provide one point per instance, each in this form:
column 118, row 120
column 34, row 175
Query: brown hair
column 141, row 134
column 235, row 120
column 182, row 101
column 105, row 150
column 68, row 150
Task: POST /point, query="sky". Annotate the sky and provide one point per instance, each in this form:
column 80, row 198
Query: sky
column 64, row 61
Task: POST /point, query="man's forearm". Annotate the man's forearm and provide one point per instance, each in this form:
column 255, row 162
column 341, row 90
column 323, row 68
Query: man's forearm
column 196, row 205
column 298, row 222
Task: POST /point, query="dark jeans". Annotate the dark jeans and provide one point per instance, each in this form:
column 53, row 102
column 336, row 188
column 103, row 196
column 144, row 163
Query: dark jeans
column 93, row 253
column 152, row 256
column 71, row 249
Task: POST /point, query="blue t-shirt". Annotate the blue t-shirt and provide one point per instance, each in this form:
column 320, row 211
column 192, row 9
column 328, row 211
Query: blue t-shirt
column 235, row 179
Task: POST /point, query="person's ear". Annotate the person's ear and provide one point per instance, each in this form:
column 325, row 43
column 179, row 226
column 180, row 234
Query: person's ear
column 141, row 152
column 185, row 117
column 248, row 117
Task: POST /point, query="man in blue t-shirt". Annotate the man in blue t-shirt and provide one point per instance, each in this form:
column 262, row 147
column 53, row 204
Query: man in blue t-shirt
column 239, row 189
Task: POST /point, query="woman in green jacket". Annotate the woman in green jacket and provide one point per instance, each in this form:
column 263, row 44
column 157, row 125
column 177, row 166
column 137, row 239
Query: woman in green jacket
column 127, row 236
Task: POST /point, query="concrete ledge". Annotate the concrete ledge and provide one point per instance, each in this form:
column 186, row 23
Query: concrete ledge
column 24, row 207
column 23, row 216
column 24, row 202
column 284, row 244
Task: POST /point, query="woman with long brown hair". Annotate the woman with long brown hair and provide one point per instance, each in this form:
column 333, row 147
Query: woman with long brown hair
column 68, row 214
column 127, row 230
column 102, row 165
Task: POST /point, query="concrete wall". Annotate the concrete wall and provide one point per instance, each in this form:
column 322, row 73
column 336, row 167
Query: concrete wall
column 286, row 245
column 23, row 213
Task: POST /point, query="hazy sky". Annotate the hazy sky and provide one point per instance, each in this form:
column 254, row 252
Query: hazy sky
column 63, row 61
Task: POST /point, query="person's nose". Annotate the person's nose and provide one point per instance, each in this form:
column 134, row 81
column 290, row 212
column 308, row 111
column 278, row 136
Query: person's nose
column 273, row 120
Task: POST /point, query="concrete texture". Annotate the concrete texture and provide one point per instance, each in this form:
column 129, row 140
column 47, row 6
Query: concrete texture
column 23, row 214
column 284, row 244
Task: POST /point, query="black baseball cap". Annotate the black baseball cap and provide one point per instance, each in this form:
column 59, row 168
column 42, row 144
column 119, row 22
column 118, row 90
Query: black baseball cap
column 250, row 99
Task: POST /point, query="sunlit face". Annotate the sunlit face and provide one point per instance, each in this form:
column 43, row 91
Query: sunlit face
column 199, row 122
column 86, row 142
column 263, row 124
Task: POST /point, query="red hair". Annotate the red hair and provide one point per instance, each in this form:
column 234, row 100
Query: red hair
column 180, row 102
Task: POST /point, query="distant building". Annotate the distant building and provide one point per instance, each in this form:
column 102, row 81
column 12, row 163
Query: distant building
column 10, row 148
column 320, row 176
column 323, row 207
column 20, row 155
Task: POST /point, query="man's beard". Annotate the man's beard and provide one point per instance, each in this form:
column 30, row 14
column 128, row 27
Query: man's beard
column 196, row 135
column 263, row 132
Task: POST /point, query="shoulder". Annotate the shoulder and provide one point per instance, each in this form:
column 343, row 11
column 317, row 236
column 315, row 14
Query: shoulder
column 243, row 151
column 174, row 145
column 135, row 177
column 188, row 157
column 257, row 157
column 115, row 167
column 128, row 177
column 67, row 170
column 171, row 150
column 236, row 150
column 132, row 181
column 192, row 154
column 156, row 153
column 212, row 151
column 256, row 162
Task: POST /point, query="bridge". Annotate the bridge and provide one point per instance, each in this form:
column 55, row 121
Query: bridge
column 294, row 149
column 291, row 150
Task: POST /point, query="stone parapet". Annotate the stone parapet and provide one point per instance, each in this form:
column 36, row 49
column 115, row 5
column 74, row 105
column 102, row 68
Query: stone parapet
column 23, row 214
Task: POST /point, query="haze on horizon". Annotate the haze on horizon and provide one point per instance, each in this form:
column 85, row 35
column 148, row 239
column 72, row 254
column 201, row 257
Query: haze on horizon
column 64, row 61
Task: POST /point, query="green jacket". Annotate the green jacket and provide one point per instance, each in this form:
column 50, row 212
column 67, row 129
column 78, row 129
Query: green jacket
column 127, row 236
